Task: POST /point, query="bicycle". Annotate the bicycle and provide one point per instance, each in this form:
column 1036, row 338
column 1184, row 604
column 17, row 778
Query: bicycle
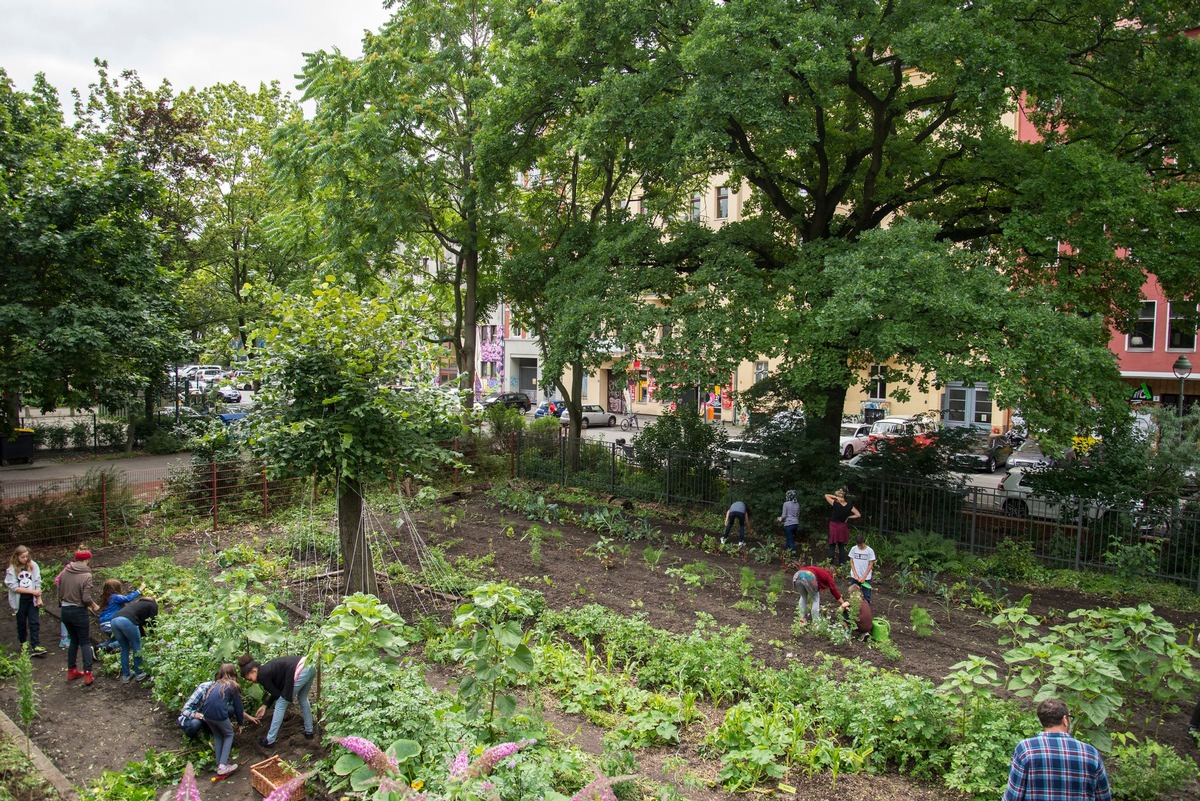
column 631, row 421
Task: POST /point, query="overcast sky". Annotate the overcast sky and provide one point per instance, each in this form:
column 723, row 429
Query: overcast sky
column 189, row 43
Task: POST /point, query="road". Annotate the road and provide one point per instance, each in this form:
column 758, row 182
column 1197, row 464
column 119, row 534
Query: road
column 49, row 469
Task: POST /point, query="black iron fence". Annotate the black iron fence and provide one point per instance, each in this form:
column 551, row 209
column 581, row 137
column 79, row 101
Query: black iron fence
column 1065, row 533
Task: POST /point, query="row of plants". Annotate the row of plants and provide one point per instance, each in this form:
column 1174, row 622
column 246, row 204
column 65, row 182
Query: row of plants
column 847, row 715
column 81, row 435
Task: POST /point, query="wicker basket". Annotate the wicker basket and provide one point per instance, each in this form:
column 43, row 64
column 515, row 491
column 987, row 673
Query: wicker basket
column 265, row 776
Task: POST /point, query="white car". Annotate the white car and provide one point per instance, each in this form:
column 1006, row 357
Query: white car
column 854, row 438
column 593, row 415
column 1016, row 498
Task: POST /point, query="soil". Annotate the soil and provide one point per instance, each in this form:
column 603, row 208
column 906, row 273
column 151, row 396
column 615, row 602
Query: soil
column 88, row 730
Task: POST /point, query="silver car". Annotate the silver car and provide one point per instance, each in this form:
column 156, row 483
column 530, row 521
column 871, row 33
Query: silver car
column 593, row 415
column 1030, row 455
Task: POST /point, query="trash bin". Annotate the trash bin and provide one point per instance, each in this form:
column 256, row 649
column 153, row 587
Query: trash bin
column 17, row 447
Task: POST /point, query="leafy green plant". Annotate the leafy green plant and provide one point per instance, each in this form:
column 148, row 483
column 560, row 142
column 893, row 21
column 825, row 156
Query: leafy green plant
column 653, row 556
column 922, row 622
column 1149, row 771
column 494, row 649
column 1133, row 560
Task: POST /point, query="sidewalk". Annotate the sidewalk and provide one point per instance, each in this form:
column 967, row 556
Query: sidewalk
column 49, row 469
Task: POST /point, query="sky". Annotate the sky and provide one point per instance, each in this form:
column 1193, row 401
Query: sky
column 189, row 43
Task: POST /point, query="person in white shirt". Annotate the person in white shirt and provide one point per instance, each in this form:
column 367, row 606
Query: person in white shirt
column 862, row 565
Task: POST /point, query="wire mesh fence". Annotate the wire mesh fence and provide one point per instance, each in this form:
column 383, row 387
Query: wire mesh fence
column 1061, row 533
column 663, row 477
column 101, row 506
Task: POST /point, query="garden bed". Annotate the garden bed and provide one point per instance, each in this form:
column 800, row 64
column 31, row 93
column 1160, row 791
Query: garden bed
column 119, row 723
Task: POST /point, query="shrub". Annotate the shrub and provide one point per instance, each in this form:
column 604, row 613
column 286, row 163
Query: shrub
column 544, row 425
column 161, row 442
column 1149, row 771
column 55, row 437
column 81, row 435
column 503, row 422
column 1014, row 561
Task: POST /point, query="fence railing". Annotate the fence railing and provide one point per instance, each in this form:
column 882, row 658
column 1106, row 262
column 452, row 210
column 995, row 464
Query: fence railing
column 664, row 477
column 105, row 505
column 1077, row 534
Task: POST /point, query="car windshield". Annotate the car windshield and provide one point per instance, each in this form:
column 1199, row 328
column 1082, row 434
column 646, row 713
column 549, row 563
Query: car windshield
column 885, row 428
column 849, row 431
column 1030, row 447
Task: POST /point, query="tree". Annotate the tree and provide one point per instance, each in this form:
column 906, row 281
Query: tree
column 330, row 406
column 391, row 157
column 895, row 216
column 577, row 271
column 240, row 240
column 78, row 260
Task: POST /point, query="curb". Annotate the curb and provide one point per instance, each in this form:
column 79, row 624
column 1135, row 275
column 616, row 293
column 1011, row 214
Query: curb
column 52, row 774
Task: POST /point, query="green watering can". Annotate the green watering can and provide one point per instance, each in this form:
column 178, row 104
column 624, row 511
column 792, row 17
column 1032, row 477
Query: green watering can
column 881, row 630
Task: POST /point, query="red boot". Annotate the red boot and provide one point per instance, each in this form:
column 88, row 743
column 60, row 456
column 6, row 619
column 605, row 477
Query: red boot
column 87, row 678
column 73, row 674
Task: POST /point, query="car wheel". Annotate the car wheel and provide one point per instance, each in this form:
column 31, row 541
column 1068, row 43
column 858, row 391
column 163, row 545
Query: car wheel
column 1015, row 508
column 583, row 423
column 612, row 421
column 848, row 453
column 990, row 465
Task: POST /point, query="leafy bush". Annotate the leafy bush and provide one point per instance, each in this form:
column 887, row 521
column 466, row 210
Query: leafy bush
column 504, row 422
column 55, row 437
column 1013, row 560
column 920, row 550
column 1149, row 771
column 162, row 442
column 544, row 425
column 81, row 435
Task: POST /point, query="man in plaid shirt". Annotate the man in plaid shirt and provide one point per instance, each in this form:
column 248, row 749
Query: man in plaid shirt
column 1054, row 766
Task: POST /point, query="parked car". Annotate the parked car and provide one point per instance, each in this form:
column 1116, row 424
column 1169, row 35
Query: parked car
column 854, row 439
column 229, row 394
column 1030, row 455
column 920, row 428
column 980, row 450
column 234, row 412
column 739, row 450
column 551, row 408
column 1016, row 498
column 593, row 415
column 513, row 400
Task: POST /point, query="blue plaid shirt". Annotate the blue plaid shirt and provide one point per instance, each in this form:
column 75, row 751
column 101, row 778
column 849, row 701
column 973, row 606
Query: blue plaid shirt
column 1054, row 766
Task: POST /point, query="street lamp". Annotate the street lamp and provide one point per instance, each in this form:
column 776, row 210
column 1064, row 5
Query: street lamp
column 1182, row 368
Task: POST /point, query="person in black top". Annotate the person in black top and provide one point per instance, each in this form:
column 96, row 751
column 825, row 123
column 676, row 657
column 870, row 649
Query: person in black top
column 839, row 526
column 128, row 628
column 286, row 679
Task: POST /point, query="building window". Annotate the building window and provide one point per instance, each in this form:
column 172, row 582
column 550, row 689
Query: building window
column 696, row 201
column 722, row 202
column 760, row 371
column 1181, row 334
column 1141, row 337
column 877, row 390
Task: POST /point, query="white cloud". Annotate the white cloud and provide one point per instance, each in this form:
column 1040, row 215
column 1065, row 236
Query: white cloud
column 186, row 42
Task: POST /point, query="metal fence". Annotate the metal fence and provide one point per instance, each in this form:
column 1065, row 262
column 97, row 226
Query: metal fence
column 664, row 477
column 1068, row 534
column 103, row 506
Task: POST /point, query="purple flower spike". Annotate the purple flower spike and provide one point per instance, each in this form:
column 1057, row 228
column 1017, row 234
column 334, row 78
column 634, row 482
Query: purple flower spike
column 188, row 791
column 599, row 790
column 460, row 764
column 380, row 762
column 492, row 757
column 290, row 788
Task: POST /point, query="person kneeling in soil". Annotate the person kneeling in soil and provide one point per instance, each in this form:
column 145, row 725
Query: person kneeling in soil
column 224, row 694
column 111, row 602
column 862, row 626
column 809, row 581
column 286, row 679
column 191, row 717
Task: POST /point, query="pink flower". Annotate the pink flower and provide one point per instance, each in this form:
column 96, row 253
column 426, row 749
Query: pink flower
column 460, row 764
column 188, row 791
column 492, row 757
column 380, row 762
column 599, row 790
column 290, row 788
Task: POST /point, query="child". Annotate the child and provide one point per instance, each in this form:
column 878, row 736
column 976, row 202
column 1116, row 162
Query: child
column 75, row 598
column 862, row 564
column 191, row 717
column 111, row 602
column 221, row 696
column 24, row 581
column 286, row 679
column 128, row 628
column 790, row 517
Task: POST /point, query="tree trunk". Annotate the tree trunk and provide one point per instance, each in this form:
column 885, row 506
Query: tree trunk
column 574, row 399
column 827, row 426
column 357, row 563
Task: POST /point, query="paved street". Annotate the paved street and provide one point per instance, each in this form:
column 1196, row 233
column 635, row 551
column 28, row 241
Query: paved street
column 50, row 469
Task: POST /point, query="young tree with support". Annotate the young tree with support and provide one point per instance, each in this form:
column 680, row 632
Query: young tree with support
column 331, row 403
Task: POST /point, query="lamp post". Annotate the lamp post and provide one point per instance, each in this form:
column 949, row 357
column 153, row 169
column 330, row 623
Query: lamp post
column 1182, row 368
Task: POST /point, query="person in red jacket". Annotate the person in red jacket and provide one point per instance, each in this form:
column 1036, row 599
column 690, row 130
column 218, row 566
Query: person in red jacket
column 809, row 581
